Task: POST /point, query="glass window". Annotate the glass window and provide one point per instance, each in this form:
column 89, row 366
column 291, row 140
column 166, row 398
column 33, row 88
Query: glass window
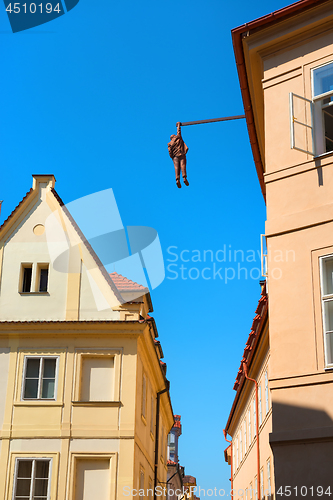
column 249, row 421
column 259, row 404
column 32, row 478
column 39, row 378
column 254, row 418
column 245, row 443
column 269, row 477
column 144, row 395
column 322, row 79
column 266, row 392
column 26, row 278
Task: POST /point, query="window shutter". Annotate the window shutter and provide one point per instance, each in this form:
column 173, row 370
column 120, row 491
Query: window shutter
column 301, row 124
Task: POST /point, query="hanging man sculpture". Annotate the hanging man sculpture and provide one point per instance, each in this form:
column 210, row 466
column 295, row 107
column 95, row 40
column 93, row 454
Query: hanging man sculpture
column 177, row 151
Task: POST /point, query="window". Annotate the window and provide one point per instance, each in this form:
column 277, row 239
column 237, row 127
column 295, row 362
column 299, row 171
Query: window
column 312, row 120
column 172, row 447
column 262, row 484
column 91, row 479
column 251, row 491
column 39, row 378
column 97, row 378
column 245, row 443
column 254, row 418
column 32, row 479
column 259, row 404
column 42, row 277
column 26, row 278
column 269, row 477
column 249, row 421
column 144, row 395
column 237, row 454
column 326, row 272
column 152, row 415
column 322, row 93
column 240, row 445
column 266, row 392
column 150, row 489
column 255, row 488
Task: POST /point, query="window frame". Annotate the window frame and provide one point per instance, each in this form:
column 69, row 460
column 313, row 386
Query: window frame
column 249, row 424
column 40, row 379
column 32, row 478
column 260, row 404
column 266, row 392
column 325, row 298
column 318, row 107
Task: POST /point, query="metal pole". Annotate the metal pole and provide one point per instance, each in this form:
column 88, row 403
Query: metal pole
column 199, row 122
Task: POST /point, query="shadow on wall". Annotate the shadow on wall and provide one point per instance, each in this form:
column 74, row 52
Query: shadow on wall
column 302, row 444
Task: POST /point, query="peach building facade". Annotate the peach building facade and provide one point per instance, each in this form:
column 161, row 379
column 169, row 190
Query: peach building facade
column 84, row 401
column 285, row 66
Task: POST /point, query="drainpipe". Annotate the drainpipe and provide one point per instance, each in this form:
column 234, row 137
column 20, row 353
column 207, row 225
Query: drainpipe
column 231, row 479
column 257, row 425
column 158, row 395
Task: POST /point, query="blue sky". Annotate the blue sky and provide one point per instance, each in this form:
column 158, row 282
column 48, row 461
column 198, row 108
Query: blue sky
column 93, row 97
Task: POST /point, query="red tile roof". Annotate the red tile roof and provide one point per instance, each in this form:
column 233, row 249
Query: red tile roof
column 126, row 285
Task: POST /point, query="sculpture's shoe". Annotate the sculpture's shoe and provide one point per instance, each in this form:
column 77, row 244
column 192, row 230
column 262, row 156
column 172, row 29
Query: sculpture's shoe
column 186, row 182
column 178, row 183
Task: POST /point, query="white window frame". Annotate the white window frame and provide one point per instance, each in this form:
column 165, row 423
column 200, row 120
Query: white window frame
column 41, row 358
column 240, row 445
column 262, row 490
column 254, row 418
column 266, row 393
column 325, row 298
column 249, row 423
column 245, row 437
column 256, row 488
column 237, row 453
column 32, row 478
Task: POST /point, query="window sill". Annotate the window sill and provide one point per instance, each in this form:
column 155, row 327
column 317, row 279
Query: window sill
column 112, row 404
column 38, row 402
column 328, row 368
column 34, row 293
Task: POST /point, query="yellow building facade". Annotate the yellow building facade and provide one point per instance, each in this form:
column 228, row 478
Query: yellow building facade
column 84, row 401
